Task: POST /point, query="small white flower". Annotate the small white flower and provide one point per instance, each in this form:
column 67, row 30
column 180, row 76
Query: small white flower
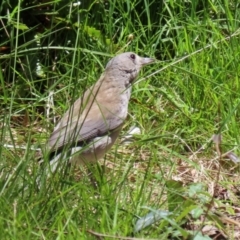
column 76, row 4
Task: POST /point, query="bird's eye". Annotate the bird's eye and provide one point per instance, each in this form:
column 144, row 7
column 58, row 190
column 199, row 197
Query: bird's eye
column 132, row 56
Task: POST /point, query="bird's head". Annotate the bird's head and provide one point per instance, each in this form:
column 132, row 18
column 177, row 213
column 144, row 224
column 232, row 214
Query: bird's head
column 127, row 64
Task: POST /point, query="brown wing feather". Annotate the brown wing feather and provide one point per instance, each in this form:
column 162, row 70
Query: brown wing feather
column 83, row 130
column 85, row 124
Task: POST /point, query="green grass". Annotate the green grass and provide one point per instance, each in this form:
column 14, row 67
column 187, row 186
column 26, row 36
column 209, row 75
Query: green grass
column 191, row 93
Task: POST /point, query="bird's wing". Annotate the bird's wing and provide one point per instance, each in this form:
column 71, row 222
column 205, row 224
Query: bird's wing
column 94, row 120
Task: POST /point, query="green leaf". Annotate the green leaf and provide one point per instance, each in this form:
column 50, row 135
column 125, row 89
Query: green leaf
column 20, row 26
column 174, row 190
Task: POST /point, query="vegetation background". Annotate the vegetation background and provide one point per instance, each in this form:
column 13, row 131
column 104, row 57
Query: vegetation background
column 185, row 160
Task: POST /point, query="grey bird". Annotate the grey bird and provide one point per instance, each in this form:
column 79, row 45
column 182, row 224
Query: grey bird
column 92, row 124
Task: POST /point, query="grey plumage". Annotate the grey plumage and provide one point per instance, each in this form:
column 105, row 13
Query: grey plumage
column 92, row 124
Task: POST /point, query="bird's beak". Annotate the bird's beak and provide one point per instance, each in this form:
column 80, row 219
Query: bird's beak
column 145, row 61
